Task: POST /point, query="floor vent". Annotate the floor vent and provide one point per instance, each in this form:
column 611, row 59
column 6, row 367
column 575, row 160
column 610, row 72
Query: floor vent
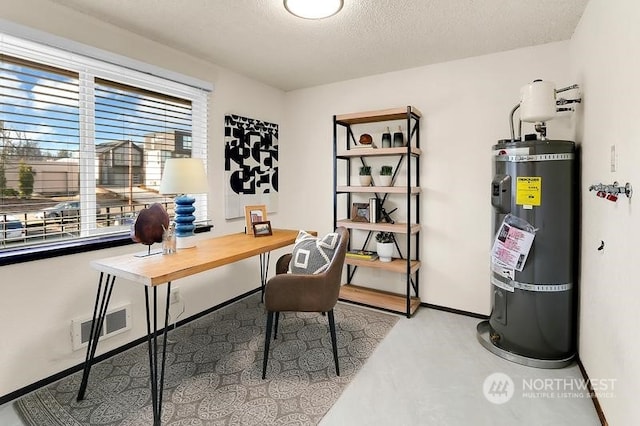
column 118, row 320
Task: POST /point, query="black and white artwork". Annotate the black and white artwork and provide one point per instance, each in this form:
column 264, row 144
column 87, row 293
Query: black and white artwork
column 250, row 164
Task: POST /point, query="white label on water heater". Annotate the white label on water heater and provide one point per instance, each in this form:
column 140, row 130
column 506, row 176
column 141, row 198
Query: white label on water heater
column 511, row 151
column 502, row 270
column 511, row 246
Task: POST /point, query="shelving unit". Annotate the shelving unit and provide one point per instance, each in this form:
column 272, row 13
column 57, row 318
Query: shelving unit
column 346, row 155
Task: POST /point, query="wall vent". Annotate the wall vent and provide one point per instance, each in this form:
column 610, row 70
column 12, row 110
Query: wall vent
column 118, row 320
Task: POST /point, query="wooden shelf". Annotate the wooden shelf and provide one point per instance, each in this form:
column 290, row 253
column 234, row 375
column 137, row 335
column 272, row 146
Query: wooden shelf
column 378, row 152
column 376, row 116
column 398, row 228
column 396, row 265
column 379, row 299
column 379, row 189
column 348, row 156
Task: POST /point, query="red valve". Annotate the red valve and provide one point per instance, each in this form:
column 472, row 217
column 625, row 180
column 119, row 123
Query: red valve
column 601, row 194
column 612, row 197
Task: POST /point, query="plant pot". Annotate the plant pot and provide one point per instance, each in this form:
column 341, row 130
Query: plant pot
column 385, row 180
column 385, row 251
column 365, row 180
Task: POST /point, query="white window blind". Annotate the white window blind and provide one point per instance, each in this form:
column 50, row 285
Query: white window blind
column 84, row 143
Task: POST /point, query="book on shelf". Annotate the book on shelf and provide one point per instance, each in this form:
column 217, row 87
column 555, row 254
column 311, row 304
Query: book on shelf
column 362, row 254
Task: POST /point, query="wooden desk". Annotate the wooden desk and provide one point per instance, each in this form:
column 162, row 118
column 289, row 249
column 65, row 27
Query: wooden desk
column 154, row 270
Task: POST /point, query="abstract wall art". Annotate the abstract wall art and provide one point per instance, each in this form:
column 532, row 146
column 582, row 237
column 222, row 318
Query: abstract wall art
column 250, row 164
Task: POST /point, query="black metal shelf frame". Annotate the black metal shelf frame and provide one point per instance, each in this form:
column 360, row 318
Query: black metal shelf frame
column 413, row 173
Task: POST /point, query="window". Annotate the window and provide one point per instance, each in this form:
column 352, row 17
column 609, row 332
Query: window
column 83, row 144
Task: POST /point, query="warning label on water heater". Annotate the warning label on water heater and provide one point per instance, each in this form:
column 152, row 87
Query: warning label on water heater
column 528, row 190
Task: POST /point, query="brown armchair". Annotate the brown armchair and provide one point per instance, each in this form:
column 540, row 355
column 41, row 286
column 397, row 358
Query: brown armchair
column 304, row 293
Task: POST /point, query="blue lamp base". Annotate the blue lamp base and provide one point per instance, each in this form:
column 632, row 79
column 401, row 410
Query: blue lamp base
column 185, row 237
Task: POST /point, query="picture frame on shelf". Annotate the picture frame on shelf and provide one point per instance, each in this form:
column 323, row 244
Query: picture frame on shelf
column 257, row 213
column 262, row 229
column 360, row 212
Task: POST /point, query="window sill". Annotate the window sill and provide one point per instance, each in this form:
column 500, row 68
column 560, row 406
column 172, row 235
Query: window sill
column 28, row 254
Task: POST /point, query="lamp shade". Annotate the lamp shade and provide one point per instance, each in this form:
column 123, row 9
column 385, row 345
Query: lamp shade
column 183, row 176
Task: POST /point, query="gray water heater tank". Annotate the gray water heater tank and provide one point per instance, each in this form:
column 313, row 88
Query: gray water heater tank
column 533, row 315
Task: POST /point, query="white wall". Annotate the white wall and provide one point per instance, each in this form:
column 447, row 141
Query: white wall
column 606, row 63
column 465, row 106
column 39, row 299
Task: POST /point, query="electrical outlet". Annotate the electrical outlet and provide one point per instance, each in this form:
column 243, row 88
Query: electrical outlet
column 174, row 297
column 614, row 159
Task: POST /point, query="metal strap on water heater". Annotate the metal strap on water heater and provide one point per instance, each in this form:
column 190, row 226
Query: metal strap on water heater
column 546, row 288
column 536, row 157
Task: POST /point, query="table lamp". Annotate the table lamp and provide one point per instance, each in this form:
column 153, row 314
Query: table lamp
column 183, row 176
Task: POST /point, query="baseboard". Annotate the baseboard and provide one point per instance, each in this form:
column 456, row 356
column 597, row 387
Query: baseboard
column 594, row 398
column 62, row 374
column 454, row 311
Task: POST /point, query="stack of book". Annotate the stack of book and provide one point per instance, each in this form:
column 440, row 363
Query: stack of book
column 362, row 254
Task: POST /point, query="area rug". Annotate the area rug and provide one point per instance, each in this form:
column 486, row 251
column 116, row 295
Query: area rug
column 214, row 373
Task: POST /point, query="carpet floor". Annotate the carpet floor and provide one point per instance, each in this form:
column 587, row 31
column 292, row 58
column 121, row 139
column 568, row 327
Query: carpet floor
column 213, row 373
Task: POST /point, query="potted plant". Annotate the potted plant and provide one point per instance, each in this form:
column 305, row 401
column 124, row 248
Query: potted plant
column 386, row 175
column 365, row 175
column 384, row 245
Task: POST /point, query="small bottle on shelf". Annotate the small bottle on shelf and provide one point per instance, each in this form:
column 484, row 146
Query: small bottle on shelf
column 386, row 138
column 398, row 138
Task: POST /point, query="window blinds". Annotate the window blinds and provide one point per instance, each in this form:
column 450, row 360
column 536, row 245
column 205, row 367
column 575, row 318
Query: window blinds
column 90, row 134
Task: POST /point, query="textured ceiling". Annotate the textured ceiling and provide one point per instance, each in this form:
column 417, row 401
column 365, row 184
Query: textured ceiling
column 258, row 38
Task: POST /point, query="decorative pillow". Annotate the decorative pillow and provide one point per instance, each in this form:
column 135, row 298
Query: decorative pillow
column 313, row 255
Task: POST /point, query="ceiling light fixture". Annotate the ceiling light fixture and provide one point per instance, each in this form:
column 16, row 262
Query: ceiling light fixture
column 313, row 9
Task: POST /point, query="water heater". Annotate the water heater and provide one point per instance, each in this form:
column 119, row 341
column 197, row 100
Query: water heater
column 534, row 189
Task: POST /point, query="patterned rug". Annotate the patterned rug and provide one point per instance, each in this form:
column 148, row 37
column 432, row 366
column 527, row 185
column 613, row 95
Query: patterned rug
column 214, row 369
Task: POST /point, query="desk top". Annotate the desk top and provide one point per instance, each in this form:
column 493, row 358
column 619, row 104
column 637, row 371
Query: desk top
column 208, row 254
